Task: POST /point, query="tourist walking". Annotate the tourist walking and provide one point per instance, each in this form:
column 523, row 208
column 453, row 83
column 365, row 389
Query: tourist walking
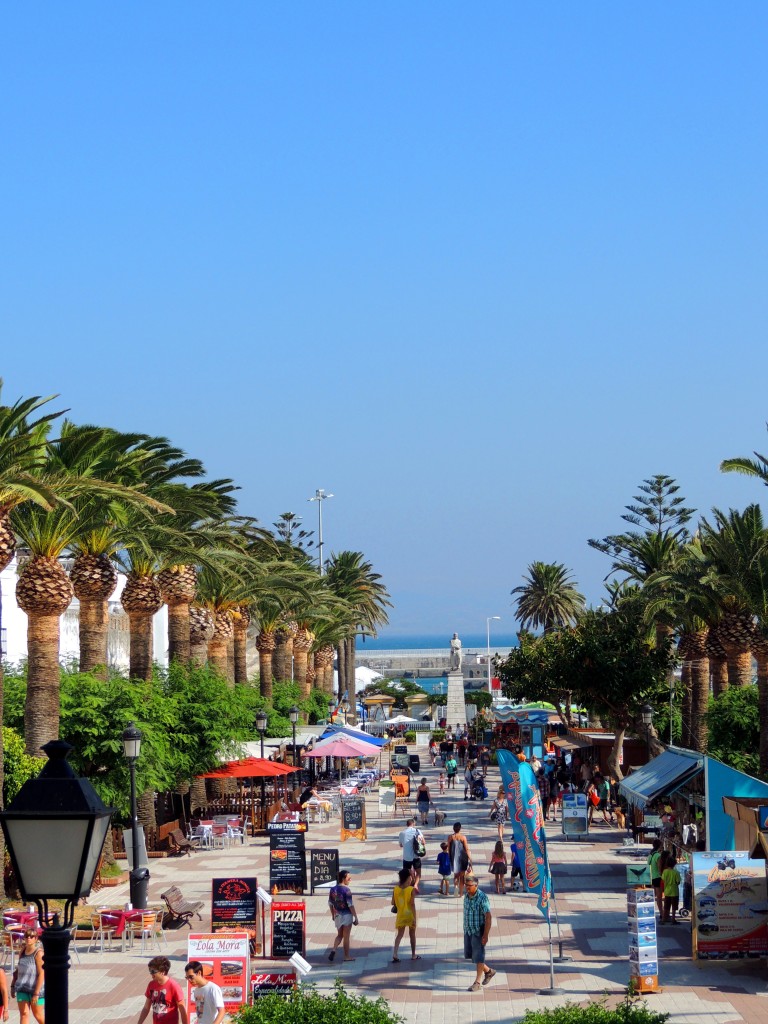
column 164, row 996
column 28, row 984
column 208, row 997
column 405, row 905
column 499, row 812
column 432, row 752
column 498, row 866
column 458, row 851
column 343, row 914
column 477, row 927
column 468, row 780
column 544, row 792
column 441, row 783
column 423, row 801
column 450, row 770
column 407, row 840
column 670, row 881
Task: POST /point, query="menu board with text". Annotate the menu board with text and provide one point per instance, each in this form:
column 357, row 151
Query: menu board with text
column 225, row 962
column 288, row 929
column 353, row 824
column 287, row 861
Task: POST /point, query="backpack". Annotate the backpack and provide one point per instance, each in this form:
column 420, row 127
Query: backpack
column 419, row 846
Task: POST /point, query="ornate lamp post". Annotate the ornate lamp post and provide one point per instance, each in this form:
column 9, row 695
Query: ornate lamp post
column 261, row 726
column 54, row 832
column 293, row 715
column 139, row 877
column 646, row 717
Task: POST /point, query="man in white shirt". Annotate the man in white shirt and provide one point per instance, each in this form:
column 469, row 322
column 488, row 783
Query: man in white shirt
column 410, row 860
column 209, row 1001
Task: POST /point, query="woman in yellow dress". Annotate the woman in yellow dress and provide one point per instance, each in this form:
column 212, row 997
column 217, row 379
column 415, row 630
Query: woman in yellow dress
column 404, row 904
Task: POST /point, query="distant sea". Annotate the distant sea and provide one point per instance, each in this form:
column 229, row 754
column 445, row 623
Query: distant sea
column 469, row 641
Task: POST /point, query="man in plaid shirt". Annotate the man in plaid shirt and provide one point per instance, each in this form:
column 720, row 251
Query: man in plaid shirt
column 477, row 927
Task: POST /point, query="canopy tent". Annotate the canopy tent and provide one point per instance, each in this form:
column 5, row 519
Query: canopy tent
column 349, row 730
column 401, row 720
column 344, row 746
column 661, row 776
column 249, row 768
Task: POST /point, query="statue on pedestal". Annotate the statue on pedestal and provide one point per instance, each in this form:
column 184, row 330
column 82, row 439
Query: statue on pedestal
column 455, row 653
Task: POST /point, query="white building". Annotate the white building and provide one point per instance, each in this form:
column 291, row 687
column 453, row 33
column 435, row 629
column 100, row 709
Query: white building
column 13, row 632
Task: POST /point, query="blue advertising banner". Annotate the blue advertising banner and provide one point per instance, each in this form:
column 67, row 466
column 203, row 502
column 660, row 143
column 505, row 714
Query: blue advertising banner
column 525, row 813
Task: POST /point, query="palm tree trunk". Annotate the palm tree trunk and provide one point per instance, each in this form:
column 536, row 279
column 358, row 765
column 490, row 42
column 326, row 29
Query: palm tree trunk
column 94, row 617
column 686, row 705
column 178, row 632
column 217, row 655
column 231, row 660
column 719, row 670
column 699, row 703
column 739, row 667
column 198, row 798
column 141, row 649
column 242, row 618
column 41, row 710
column 265, row 643
column 341, row 658
column 145, row 810
column 761, row 657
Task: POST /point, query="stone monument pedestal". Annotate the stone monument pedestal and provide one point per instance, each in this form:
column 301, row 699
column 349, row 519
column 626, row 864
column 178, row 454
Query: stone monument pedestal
column 456, row 709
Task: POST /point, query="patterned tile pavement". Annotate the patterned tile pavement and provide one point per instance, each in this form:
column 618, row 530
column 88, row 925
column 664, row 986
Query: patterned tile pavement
column 590, row 881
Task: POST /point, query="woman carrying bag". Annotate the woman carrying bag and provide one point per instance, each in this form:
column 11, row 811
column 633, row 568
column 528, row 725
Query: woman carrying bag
column 458, row 851
column 404, row 905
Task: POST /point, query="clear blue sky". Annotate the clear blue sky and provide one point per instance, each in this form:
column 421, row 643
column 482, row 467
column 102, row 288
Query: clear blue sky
column 478, row 269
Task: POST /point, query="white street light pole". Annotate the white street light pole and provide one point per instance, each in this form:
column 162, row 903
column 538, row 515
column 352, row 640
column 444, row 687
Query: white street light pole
column 488, row 639
column 320, row 497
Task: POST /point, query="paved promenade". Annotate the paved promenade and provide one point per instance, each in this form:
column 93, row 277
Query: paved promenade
column 589, row 879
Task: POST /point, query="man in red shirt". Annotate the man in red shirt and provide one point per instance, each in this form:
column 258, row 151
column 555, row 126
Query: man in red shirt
column 163, row 996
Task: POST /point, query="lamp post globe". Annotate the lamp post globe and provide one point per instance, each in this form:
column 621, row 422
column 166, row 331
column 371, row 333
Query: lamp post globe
column 646, row 717
column 54, row 832
column 139, row 875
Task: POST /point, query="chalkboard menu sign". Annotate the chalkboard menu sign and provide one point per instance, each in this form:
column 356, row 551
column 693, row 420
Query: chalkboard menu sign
column 353, row 818
column 287, row 860
column 281, row 984
column 323, row 868
column 287, row 929
column 233, row 903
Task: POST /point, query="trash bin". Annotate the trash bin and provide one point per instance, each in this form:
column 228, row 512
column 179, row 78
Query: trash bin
column 414, row 763
column 139, row 887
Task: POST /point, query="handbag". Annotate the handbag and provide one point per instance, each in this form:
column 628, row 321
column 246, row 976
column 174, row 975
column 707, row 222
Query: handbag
column 419, row 846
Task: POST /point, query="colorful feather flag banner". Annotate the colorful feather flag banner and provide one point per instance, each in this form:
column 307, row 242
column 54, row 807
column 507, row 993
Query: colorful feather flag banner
column 525, row 812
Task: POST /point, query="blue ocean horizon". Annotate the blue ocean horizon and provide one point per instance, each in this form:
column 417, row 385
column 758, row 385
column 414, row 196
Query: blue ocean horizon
column 433, row 641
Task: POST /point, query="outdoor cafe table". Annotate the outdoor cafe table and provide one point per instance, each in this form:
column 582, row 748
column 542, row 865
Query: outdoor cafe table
column 120, row 917
column 20, row 918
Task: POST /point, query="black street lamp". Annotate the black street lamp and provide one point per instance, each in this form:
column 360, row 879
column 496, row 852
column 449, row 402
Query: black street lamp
column 261, row 726
column 293, row 715
column 646, row 717
column 139, row 877
column 345, row 709
column 54, row 832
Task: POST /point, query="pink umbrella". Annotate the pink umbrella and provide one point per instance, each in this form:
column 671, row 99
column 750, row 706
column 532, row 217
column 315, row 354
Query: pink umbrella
column 346, row 747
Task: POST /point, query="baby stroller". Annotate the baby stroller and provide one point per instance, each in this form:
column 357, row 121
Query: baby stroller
column 479, row 789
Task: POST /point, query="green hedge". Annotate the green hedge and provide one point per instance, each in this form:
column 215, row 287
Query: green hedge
column 307, row 1006
column 628, row 1012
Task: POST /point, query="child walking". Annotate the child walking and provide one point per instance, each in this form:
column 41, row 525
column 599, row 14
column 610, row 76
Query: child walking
column 671, row 881
column 441, row 782
column 444, row 869
column 517, row 871
column 498, row 866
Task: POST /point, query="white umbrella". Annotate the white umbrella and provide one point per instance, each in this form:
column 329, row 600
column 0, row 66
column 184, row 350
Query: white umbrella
column 401, row 720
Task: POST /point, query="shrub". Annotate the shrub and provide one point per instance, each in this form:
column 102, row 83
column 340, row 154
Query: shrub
column 305, row 1004
column 438, row 735
column 628, row 1012
column 410, row 736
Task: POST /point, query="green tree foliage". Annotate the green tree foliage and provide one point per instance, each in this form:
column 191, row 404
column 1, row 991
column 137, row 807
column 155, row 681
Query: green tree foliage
column 734, row 728
column 18, row 766
column 287, row 694
column 480, row 698
column 629, row 1011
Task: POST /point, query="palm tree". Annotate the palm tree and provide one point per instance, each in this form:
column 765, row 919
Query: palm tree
column 43, row 589
column 352, row 579
column 548, row 598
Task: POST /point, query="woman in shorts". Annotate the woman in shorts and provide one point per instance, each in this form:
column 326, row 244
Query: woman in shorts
column 343, row 914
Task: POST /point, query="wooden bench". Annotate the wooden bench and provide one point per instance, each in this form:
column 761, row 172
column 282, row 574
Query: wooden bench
column 180, row 909
column 178, row 842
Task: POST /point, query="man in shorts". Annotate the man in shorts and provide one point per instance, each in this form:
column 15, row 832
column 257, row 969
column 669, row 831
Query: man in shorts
column 410, row 860
column 477, row 927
